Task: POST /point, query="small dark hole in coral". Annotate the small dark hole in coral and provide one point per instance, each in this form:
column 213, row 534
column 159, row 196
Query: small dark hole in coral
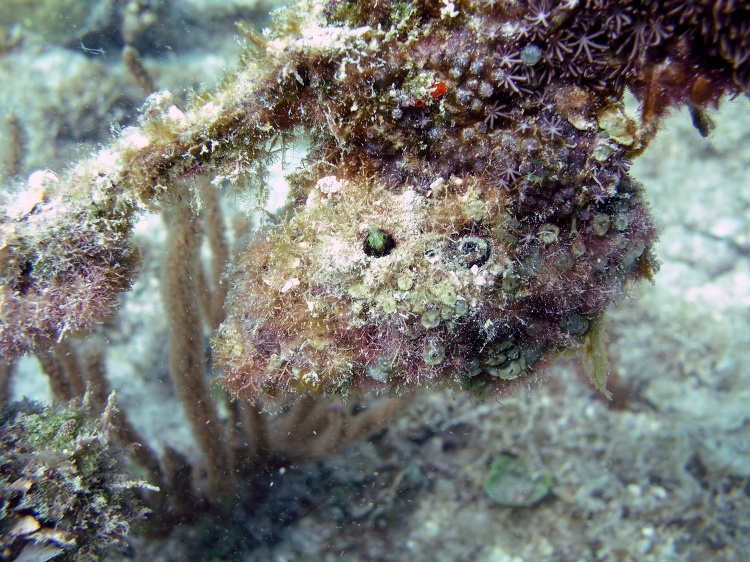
column 24, row 281
column 473, row 250
column 378, row 243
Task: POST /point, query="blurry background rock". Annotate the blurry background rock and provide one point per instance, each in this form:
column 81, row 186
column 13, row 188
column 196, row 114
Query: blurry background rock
column 69, row 86
column 58, row 21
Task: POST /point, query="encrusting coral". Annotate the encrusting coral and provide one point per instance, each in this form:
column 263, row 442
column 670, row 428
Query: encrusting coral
column 464, row 214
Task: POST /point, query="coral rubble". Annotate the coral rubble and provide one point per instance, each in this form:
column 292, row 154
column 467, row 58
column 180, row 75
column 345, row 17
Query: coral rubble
column 64, row 486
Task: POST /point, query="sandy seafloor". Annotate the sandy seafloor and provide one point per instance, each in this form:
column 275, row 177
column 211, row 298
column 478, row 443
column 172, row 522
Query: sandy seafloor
column 664, row 474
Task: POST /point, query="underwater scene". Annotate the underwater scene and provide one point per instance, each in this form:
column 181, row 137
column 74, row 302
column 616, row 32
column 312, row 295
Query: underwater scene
column 392, row 280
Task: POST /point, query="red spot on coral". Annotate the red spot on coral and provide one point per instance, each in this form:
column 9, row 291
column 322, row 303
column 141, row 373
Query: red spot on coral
column 438, row 90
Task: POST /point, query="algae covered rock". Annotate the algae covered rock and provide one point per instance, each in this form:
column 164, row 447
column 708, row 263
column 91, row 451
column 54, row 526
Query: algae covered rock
column 454, row 298
column 64, row 488
column 464, row 215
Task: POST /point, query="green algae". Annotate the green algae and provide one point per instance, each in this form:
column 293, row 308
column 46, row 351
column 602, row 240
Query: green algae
column 512, row 482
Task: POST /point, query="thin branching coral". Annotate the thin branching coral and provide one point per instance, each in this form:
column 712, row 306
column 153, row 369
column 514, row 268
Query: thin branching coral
column 465, row 212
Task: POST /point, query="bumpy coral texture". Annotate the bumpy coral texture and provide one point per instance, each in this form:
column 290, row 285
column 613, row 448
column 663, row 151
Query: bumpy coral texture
column 493, row 152
column 465, row 213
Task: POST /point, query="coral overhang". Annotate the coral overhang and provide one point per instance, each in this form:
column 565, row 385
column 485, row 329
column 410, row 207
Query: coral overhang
column 487, row 144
